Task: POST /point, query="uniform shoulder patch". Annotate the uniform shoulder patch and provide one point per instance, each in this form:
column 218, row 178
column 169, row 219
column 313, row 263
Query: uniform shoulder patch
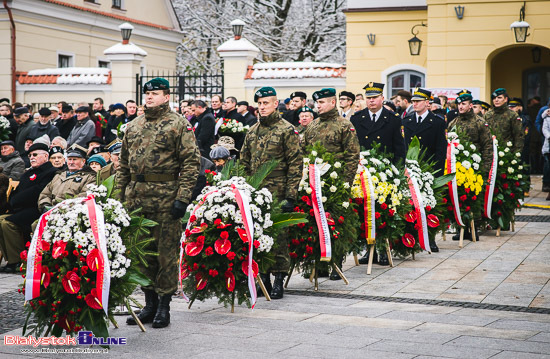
column 486, row 124
column 352, row 129
column 519, row 118
column 189, row 128
column 296, row 132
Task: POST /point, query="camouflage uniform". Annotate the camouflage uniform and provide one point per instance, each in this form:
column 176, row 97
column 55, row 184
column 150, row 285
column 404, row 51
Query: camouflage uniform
column 159, row 163
column 338, row 136
column 274, row 138
column 477, row 132
column 507, row 126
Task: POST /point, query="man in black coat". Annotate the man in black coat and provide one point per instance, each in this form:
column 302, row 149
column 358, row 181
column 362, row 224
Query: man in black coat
column 67, row 121
column 248, row 118
column 204, row 132
column 378, row 124
column 15, row 227
column 298, row 100
column 429, row 128
column 216, row 108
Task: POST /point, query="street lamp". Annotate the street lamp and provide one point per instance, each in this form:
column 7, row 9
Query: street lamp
column 126, row 30
column 415, row 43
column 371, row 38
column 459, row 10
column 238, row 26
column 535, row 53
column 520, row 27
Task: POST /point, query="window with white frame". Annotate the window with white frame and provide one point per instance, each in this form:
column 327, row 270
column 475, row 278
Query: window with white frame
column 404, row 80
column 118, row 4
column 65, row 59
column 104, row 64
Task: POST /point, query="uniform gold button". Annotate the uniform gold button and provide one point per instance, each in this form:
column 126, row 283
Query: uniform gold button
column 419, row 138
column 378, row 137
column 366, row 136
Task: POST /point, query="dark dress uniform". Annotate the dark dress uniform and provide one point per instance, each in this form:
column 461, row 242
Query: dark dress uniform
column 431, row 134
column 386, row 131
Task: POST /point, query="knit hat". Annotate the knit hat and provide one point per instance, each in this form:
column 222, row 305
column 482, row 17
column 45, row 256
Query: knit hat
column 97, row 158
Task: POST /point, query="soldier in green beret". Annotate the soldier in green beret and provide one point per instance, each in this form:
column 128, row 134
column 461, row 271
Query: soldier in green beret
column 338, row 136
column 477, row 131
column 274, row 138
column 505, row 123
column 159, row 166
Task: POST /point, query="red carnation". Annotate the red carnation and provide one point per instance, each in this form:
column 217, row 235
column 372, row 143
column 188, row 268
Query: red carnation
column 503, row 176
column 467, row 209
column 58, row 249
column 433, row 221
column 384, row 206
column 377, row 215
column 200, row 239
column 496, row 190
column 209, row 251
column 474, row 198
column 463, row 197
column 23, row 255
column 512, row 195
column 428, row 208
column 341, row 219
column 231, row 255
column 244, row 267
column 293, row 255
column 309, row 249
column 193, row 218
column 517, row 184
column 382, row 226
column 499, row 202
column 408, row 240
column 222, row 246
column 92, row 300
column 256, row 244
column 499, row 213
column 449, row 208
column 391, row 212
column 295, row 242
column 467, row 190
column 445, row 200
column 213, row 272
column 71, row 282
column 92, row 260
column 224, row 235
column 505, row 186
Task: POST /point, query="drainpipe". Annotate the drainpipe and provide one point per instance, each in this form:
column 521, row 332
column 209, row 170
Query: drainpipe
column 12, row 30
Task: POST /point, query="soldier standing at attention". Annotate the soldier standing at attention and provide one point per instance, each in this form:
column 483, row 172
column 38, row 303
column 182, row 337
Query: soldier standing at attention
column 274, row 138
column 505, row 123
column 159, row 165
column 476, row 131
column 337, row 135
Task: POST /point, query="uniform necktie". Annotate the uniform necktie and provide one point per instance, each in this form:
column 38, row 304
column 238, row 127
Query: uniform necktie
column 419, row 119
column 344, row 115
column 373, row 117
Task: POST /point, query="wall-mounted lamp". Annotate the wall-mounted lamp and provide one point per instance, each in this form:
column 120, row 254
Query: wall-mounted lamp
column 459, row 11
column 372, row 38
column 536, row 54
column 415, row 43
column 520, row 27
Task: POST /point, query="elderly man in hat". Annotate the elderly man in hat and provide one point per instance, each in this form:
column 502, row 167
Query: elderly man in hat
column 70, row 183
column 297, row 101
column 114, row 151
column 159, row 165
column 22, row 117
column 346, row 101
column 337, row 135
column 274, row 138
column 57, row 158
column 11, row 162
column 376, row 124
column 67, row 121
column 44, row 126
column 15, row 227
column 83, row 130
column 436, row 108
column 505, row 123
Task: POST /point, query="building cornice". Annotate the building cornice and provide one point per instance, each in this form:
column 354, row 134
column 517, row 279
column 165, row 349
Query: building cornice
column 387, row 8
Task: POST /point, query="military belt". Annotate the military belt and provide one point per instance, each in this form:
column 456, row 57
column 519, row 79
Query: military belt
column 277, row 173
column 161, row 177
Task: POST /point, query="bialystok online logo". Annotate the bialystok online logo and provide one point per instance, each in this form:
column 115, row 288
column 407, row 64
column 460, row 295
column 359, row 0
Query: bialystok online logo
column 84, row 338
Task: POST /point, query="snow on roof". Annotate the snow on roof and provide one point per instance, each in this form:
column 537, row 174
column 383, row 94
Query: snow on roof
column 288, row 70
column 66, row 76
column 120, row 48
column 237, row 45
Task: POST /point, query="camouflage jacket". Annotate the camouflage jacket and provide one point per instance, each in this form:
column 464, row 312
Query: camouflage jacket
column 477, row 131
column 274, row 138
column 158, row 144
column 507, row 126
column 338, row 136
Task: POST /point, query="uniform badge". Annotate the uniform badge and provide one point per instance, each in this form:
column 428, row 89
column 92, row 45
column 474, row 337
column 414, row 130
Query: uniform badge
column 403, row 131
column 33, row 177
column 519, row 118
column 189, row 128
column 296, row 132
column 526, row 130
column 352, row 129
column 486, row 125
column 78, row 179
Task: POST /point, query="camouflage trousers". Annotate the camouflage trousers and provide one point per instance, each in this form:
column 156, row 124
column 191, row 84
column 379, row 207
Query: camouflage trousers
column 277, row 186
column 162, row 270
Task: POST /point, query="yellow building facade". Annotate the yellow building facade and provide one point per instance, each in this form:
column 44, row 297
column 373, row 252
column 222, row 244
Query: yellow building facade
column 478, row 52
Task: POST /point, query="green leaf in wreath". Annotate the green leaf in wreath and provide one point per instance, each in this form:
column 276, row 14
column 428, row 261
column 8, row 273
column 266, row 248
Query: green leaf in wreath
column 282, row 220
column 136, row 277
column 442, row 180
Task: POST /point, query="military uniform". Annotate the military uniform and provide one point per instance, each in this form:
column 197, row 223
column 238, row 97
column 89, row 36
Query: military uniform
column 159, row 163
column 477, row 132
column 338, row 136
column 65, row 186
column 274, row 138
column 507, row 126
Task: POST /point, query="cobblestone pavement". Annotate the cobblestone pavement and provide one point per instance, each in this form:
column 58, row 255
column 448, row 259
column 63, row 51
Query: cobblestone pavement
column 490, row 299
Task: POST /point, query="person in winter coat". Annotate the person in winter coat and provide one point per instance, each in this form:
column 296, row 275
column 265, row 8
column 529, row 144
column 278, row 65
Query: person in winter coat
column 83, row 130
column 10, row 160
column 44, row 126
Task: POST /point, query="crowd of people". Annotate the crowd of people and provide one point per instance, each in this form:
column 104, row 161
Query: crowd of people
column 55, row 152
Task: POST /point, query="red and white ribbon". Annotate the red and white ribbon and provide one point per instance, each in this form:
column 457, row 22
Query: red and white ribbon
column 369, row 205
column 97, row 224
column 34, row 259
column 318, row 209
column 248, row 222
column 418, row 201
column 453, row 188
column 490, row 188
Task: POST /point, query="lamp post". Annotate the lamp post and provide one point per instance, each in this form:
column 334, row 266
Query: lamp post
column 520, row 27
column 126, row 30
column 237, row 26
column 415, row 44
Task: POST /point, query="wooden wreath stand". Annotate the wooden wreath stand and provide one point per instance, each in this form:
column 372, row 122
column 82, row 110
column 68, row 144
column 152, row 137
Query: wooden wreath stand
column 313, row 277
column 371, row 256
column 472, row 229
column 512, row 226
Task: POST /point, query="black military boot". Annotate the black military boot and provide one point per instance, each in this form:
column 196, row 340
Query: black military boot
column 148, row 312
column 267, row 283
column 383, row 259
column 162, row 318
column 365, row 258
column 278, row 291
column 334, row 274
column 467, row 235
column 433, row 246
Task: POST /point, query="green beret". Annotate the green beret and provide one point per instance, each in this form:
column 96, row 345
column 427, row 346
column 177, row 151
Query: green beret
column 498, row 92
column 264, row 92
column 158, row 83
column 305, row 109
column 464, row 97
column 420, row 94
column 323, row 93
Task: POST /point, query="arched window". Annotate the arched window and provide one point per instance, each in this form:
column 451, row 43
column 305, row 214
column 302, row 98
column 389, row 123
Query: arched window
column 404, row 80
